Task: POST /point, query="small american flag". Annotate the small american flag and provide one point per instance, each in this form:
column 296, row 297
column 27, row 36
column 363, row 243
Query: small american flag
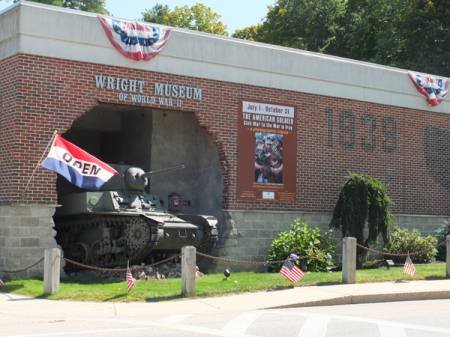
column 291, row 271
column 409, row 268
column 131, row 281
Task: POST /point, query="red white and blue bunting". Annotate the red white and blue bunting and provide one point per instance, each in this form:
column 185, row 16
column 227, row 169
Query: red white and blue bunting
column 135, row 40
column 433, row 88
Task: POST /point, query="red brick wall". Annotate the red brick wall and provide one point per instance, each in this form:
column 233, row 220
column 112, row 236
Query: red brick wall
column 9, row 125
column 335, row 136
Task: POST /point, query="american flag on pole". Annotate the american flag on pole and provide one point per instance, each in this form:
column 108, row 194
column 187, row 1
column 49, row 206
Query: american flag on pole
column 409, row 268
column 291, row 271
column 131, row 281
column 76, row 165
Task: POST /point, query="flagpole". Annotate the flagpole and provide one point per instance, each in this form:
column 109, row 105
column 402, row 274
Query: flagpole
column 40, row 160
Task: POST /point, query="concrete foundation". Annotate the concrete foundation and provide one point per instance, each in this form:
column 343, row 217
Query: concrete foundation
column 25, row 232
column 248, row 235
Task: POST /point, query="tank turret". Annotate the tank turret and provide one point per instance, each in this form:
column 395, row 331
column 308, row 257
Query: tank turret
column 124, row 221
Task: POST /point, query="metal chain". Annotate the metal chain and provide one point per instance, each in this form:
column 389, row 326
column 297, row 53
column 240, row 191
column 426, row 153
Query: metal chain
column 223, row 259
column 385, row 253
column 117, row 269
column 23, row 269
column 94, row 267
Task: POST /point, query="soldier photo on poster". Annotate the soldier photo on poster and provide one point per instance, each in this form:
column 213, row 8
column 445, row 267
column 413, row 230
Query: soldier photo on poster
column 267, row 138
column 268, row 158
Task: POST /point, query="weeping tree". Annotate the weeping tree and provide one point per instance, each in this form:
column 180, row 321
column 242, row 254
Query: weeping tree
column 363, row 211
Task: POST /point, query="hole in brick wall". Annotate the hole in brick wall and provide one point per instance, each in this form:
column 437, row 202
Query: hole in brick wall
column 147, row 138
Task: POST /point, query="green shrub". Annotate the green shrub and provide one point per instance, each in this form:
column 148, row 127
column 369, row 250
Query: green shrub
column 441, row 234
column 313, row 247
column 403, row 241
column 363, row 211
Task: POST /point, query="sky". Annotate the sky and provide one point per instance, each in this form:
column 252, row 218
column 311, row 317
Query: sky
column 235, row 14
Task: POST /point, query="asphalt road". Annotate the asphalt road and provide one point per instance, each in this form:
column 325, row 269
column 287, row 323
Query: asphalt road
column 395, row 319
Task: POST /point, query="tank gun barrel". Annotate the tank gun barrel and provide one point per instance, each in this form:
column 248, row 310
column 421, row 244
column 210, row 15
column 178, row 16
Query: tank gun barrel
column 163, row 170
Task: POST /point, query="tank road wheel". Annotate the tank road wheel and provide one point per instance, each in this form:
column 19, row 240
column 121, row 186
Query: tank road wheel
column 79, row 252
column 98, row 255
column 140, row 234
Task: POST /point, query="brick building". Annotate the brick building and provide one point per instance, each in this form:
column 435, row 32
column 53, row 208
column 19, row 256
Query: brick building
column 210, row 102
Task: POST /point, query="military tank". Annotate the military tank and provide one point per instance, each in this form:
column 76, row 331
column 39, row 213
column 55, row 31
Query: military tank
column 124, row 222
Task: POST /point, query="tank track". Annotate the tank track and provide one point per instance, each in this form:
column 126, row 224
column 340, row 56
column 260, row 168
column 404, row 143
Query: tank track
column 106, row 240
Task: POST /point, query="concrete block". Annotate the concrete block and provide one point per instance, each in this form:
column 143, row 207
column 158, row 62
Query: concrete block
column 15, row 252
column 264, row 234
column 52, row 264
column 30, row 221
column 250, row 233
column 12, row 263
column 12, row 242
column 7, row 211
column 4, row 231
column 13, row 221
column 237, row 216
column 35, row 253
column 17, row 231
column 250, row 251
column 349, row 260
column 188, row 270
column 43, row 212
column 29, row 242
column 21, row 211
column 46, row 222
column 447, row 242
column 263, row 251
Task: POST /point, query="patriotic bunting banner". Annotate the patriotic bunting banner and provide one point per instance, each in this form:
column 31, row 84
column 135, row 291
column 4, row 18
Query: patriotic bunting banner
column 290, row 270
column 135, row 40
column 433, row 88
column 76, row 165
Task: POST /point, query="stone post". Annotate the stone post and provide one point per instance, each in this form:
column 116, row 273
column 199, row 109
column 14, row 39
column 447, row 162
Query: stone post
column 188, row 264
column 52, row 263
column 348, row 260
column 447, row 246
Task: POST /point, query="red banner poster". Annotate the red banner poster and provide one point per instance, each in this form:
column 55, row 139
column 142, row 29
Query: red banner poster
column 267, row 151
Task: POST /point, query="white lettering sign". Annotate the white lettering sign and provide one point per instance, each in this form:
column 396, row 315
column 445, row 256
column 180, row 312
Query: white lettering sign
column 268, row 195
column 178, row 91
column 133, row 91
column 277, row 111
column 117, row 83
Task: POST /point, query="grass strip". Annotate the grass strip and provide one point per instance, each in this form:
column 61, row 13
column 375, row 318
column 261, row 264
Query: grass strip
column 209, row 285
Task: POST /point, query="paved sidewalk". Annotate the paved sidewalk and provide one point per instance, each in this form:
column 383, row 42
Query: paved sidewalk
column 296, row 297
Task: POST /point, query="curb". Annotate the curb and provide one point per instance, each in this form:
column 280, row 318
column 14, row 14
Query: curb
column 371, row 298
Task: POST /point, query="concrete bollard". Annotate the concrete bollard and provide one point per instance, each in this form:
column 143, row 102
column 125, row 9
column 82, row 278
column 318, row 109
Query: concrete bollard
column 348, row 260
column 52, row 263
column 447, row 246
column 188, row 264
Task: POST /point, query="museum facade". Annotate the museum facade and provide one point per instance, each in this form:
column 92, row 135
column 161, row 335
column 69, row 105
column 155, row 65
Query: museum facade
column 267, row 134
